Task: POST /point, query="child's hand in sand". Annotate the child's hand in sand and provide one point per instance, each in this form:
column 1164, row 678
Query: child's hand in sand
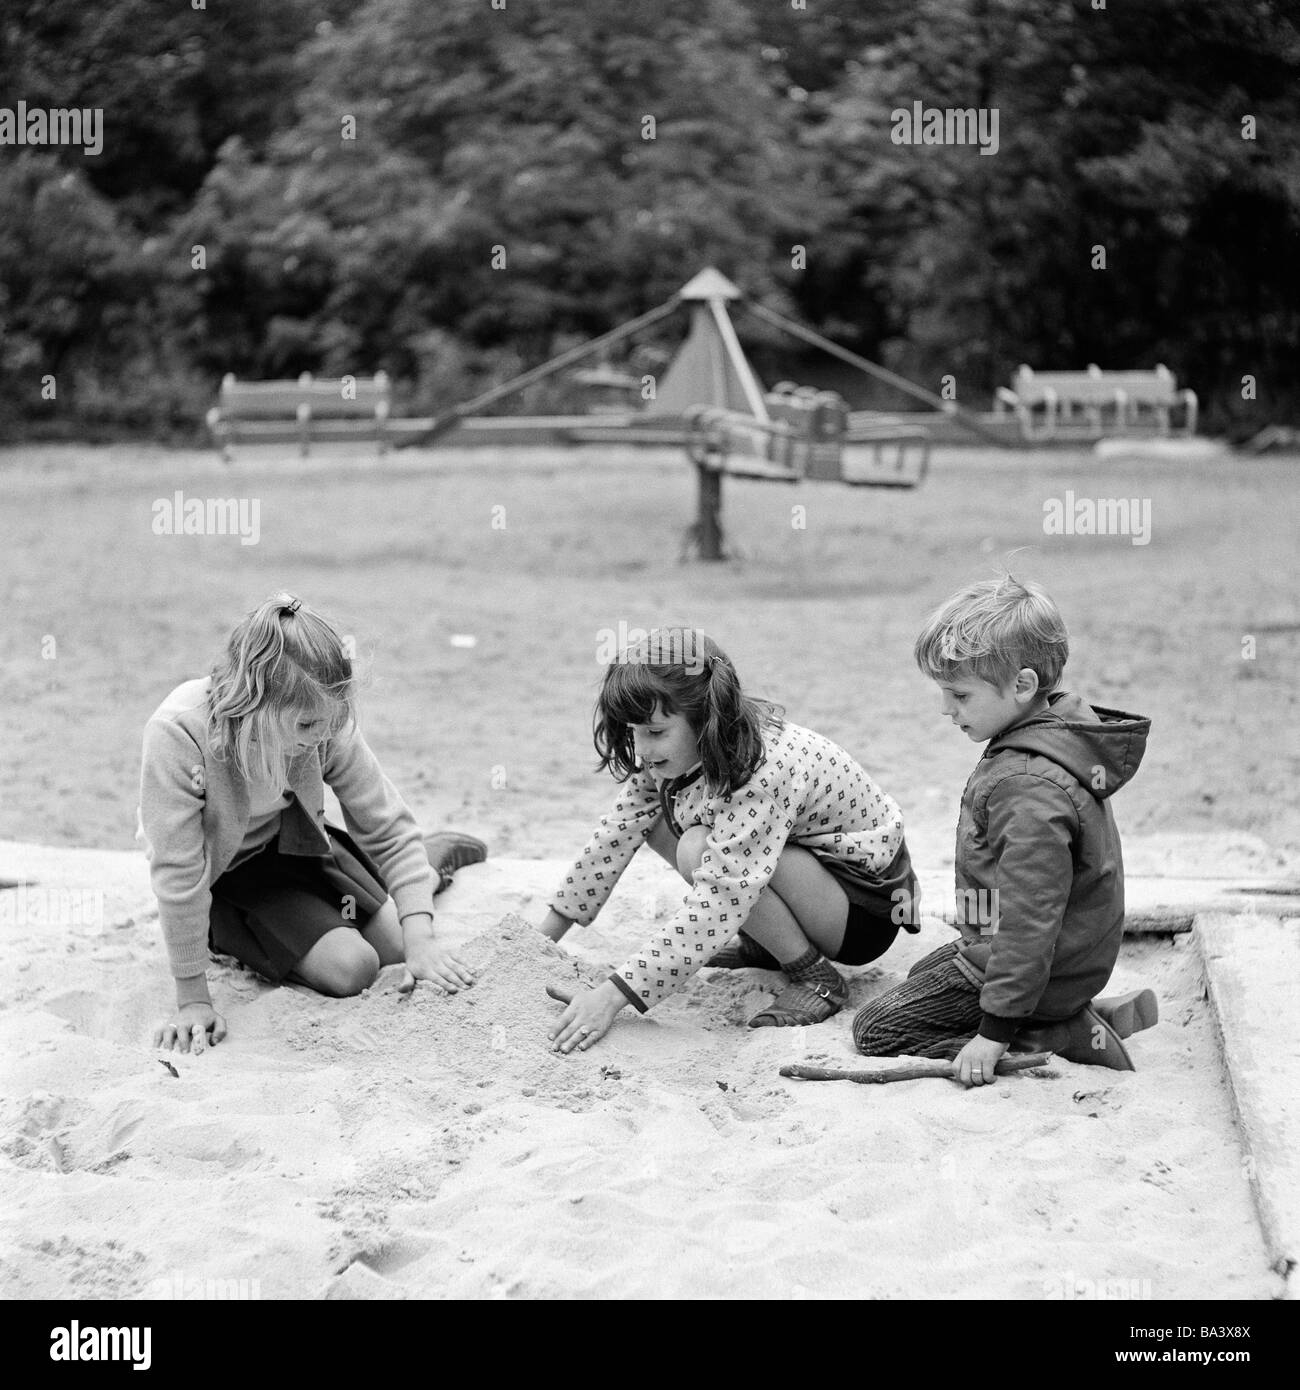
column 588, row 1017
column 426, row 960
column 190, row 1028
column 976, row 1063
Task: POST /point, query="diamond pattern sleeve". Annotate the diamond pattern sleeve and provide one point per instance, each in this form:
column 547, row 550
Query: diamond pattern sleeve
column 749, row 830
column 617, row 837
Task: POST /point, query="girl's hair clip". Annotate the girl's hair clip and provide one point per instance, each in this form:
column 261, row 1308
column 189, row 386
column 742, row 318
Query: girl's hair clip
column 292, row 606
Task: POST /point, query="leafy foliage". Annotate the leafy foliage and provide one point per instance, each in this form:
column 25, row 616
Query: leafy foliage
column 454, row 191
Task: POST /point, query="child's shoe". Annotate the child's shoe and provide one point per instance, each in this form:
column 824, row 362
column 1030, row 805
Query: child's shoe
column 1093, row 1036
column 815, row 993
column 449, row 850
column 744, row 954
column 1130, row 1013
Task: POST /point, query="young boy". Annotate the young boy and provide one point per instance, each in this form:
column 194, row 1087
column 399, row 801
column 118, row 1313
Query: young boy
column 1040, row 880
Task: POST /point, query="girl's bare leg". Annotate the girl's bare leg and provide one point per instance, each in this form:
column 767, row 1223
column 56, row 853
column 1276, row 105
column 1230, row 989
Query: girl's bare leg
column 802, row 905
column 341, row 963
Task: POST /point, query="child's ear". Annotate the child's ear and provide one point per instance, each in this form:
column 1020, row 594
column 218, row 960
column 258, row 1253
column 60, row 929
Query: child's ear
column 1026, row 685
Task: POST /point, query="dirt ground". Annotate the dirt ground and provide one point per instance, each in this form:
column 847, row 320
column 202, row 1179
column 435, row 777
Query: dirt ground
column 545, row 557
column 378, row 1147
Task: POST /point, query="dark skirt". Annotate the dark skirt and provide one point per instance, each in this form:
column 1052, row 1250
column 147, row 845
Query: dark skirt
column 877, row 907
column 273, row 908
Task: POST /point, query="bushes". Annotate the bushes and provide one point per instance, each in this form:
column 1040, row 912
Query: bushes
column 451, row 193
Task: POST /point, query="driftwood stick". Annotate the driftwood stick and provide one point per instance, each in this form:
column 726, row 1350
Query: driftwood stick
column 916, row 1072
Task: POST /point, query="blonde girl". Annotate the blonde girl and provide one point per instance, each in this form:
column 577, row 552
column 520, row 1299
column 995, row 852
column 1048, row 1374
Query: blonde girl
column 232, row 819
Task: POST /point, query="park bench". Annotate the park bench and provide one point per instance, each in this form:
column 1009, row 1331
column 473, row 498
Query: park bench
column 1087, row 404
column 1153, row 397
column 804, row 438
column 325, row 410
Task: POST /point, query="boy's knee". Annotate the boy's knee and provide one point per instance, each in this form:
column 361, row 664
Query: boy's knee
column 870, row 1036
column 935, row 959
column 351, row 966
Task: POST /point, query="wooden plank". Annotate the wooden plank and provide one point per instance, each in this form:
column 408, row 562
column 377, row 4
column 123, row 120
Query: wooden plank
column 1172, row 907
column 257, row 400
column 261, row 405
column 1152, row 388
column 1250, row 966
column 336, row 408
column 1165, row 906
column 259, row 431
column 275, row 408
column 282, row 431
column 1065, row 388
column 747, row 466
column 628, row 434
column 1177, row 920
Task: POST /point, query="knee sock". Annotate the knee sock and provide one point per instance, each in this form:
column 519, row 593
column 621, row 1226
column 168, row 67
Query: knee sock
column 812, row 968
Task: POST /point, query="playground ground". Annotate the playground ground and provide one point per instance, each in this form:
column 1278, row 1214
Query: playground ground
column 539, row 555
column 365, row 1147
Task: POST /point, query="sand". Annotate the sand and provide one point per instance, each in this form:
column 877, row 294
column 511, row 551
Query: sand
column 432, row 1147
column 383, row 1147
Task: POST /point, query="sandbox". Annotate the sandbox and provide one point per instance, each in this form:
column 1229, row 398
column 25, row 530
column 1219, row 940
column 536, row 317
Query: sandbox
column 385, row 1147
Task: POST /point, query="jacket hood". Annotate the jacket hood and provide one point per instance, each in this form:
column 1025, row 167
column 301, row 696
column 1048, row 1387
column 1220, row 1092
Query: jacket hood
column 1084, row 740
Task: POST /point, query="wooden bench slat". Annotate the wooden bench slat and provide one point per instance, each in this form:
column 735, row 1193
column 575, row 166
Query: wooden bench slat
column 1081, row 402
column 324, row 408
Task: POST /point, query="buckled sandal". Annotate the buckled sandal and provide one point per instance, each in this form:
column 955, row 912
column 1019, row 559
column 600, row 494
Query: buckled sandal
column 800, row 1004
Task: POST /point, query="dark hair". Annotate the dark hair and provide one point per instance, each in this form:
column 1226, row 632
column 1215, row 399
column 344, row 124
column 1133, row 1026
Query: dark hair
column 682, row 671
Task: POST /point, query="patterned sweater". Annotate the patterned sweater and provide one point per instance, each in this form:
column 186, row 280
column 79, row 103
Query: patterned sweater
column 808, row 792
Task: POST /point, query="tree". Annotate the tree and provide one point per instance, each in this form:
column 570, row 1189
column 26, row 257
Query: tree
column 604, row 155
column 173, row 83
column 1119, row 131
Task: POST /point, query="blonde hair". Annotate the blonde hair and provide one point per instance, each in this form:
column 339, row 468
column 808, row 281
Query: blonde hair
column 992, row 630
column 283, row 659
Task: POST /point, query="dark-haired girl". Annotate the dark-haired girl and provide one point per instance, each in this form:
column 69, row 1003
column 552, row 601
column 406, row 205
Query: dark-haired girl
column 788, row 845
column 232, row 817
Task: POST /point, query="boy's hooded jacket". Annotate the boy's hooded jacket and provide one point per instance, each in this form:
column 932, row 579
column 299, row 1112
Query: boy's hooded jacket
column 1039, row 864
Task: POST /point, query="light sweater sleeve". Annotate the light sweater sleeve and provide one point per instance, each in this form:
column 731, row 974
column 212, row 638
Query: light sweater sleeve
column 171, row 819
column 380, row 820
column 617, row 837
column 749, row 831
